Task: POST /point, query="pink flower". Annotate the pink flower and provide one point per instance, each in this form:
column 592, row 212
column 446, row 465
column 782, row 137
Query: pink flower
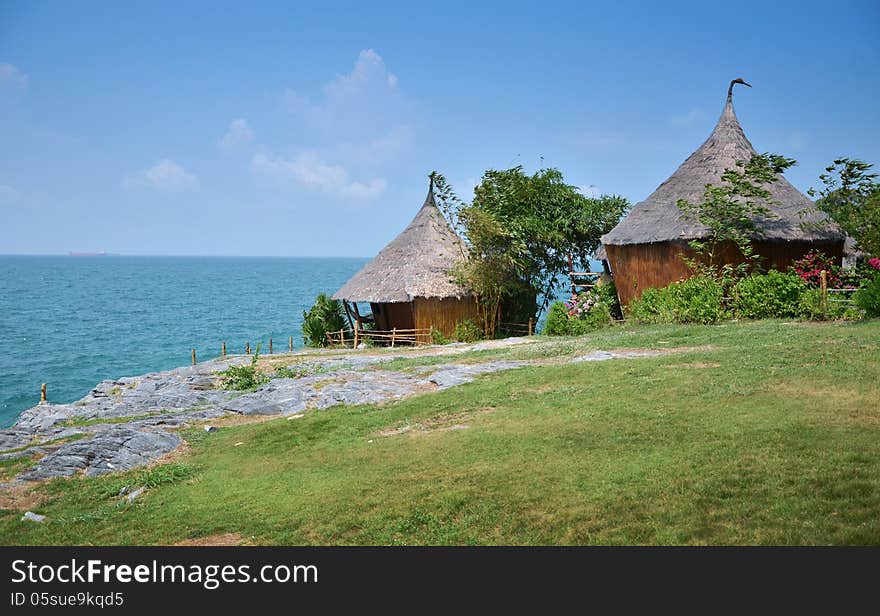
column 875, row 263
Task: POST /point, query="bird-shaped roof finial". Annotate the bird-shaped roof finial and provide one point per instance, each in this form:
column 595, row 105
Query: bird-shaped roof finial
column 734, row 82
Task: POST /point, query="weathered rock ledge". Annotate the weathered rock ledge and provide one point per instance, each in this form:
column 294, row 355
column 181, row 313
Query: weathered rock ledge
column 125, row 423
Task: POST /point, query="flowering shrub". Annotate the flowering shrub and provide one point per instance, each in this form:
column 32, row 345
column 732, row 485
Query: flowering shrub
column 810, row 269
column 874, row 263
column 583, row 313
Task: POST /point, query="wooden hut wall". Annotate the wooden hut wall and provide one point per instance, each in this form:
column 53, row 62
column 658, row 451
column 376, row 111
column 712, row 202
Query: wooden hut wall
column 637, row 267
column 444, row 314
column 391, row 315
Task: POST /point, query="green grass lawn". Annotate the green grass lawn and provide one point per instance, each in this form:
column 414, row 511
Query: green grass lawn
column 762, row 433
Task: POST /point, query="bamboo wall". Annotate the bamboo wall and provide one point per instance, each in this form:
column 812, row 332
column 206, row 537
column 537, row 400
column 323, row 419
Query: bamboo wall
column 637, row 267
column 444, row 314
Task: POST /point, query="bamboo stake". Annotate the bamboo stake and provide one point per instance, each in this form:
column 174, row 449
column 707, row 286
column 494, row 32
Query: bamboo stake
column 43, row 394
column 247, row 348
column 342, row 337
column 357, row 328
column 531, row 325
column 194, row 357
column 223, row 348
column 393, row 336
column 291, row 344
column 823, row 282
column 270, row 346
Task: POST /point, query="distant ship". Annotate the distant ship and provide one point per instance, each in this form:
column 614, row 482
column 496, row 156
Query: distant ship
column 96, row 253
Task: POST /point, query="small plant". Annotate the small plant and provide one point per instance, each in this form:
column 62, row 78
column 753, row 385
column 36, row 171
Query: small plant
column 695, row 300
column 324, row 316
column 244, row 378
column 468, row 331
column 771, row 295
column 868, row 297
column 437, row 336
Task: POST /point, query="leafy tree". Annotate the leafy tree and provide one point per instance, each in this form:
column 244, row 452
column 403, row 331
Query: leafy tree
column 324, row 316
column 732, row 211
column 851, row 197
column 520, row 230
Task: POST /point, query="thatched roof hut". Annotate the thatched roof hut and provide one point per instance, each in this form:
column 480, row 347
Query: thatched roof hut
column 411, row 284
column 645, row 247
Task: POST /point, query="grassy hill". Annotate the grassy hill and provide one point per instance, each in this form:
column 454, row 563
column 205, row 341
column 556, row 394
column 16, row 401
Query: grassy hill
column 749, row 433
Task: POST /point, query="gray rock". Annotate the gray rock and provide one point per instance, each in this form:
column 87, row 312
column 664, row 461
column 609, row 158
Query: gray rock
column 210, row 429
column 450, row 375
column 13, row 439
column 117, row 449
column 135, row 494
column 605, row 355
column 33, row 517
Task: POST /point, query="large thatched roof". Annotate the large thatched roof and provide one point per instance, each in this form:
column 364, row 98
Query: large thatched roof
column 658, row 218
column 417, row 263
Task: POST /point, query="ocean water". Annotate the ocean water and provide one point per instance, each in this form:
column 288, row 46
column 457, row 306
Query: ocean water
column 71, row 322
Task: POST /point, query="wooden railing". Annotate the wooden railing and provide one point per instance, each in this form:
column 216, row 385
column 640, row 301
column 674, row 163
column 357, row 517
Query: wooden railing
column 393, row 337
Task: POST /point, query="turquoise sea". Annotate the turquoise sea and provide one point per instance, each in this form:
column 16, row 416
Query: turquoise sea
column 71, row 322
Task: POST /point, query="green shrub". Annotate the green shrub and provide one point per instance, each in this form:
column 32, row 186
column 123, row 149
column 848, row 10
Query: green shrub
column 467, row 331
column 437, row 336
column 557, row 322
column 695, row 300
column 868, row 297
column 325, row 316
column 244, row 378
column 568, row 319
column 774, row 294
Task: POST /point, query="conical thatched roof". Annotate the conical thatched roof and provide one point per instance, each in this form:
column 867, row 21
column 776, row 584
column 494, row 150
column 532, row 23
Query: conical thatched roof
column 658, row 218
column 417, row 263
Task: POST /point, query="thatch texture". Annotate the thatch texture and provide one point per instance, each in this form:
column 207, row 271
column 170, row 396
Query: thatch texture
column 658, row 218
column 417, row 263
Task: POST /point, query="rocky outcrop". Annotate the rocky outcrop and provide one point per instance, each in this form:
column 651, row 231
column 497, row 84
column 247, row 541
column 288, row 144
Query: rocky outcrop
column 117, row 449
column 125, row 423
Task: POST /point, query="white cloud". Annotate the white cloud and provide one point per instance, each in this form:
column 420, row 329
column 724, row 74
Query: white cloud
column 369, row 73
column 391, row 143
column 239, row 133
column 11, row 77
column 308, row 170
column 358, row 107
column 164, row 175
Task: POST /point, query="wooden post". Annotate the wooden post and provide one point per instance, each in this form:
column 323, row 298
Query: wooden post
column 823, row 283
column 194, row 357
column 357, row 328
column 393, row 336
column 270, row 346
column 247, row 348
column 342, row 337
column 531, row 325
column 223, row 348
column 291, row 344
column 43, row 394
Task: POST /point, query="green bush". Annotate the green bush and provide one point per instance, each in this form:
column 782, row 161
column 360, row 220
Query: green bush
column 244, row 378
column 437, row 336
column 771, row 295
column 695, row 300
column 325, row 316
column 561, row 322
column 868, row 297
column 468, row 331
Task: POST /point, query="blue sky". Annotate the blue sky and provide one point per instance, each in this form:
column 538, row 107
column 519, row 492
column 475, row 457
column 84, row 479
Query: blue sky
column 310, row 129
